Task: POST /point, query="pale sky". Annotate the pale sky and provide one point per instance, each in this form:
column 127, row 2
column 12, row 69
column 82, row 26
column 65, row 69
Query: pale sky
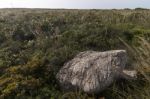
column 75, row 4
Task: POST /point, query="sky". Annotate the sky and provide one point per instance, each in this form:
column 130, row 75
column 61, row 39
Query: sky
column 75, row 4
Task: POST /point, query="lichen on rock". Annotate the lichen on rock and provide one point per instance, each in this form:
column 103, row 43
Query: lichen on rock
column 92, row 71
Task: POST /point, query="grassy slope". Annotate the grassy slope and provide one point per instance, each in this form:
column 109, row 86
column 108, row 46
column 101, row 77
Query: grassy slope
column 35, row 43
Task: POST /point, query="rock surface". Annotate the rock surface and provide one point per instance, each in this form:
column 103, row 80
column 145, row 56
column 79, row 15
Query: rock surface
column 92, row 71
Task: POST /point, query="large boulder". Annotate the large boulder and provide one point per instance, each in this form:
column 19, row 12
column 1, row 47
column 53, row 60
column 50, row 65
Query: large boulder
column 92, row 71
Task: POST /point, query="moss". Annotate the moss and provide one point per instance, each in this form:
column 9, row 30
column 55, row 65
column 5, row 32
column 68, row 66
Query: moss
column 10, row 89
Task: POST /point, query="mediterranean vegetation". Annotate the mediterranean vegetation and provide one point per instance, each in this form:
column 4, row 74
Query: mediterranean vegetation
column 35, row 44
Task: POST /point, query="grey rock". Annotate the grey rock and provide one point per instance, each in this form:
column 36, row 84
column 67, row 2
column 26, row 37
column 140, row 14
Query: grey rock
column 92, row 71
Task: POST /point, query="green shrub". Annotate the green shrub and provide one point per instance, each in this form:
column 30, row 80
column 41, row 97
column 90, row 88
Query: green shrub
column 2, row 38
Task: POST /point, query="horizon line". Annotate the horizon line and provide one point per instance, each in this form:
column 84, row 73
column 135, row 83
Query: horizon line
column 77, row 8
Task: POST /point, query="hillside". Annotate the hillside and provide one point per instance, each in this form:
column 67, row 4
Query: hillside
column 35, row 43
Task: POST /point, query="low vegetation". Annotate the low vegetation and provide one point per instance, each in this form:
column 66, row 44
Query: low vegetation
column 35, row 43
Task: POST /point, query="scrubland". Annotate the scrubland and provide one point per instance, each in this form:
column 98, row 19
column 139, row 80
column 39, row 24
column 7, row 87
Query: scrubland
column 35, row 43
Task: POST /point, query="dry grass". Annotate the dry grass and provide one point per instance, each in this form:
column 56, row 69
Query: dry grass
column 139, row 89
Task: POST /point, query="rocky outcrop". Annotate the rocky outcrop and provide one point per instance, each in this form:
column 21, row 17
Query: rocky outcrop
column 92, row 71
